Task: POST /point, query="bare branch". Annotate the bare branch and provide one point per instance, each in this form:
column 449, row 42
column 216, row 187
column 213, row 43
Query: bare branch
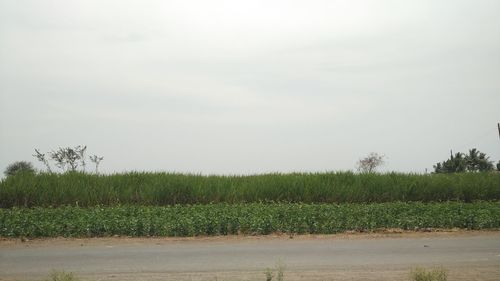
column 96, row 160
column 370, row 163
column 41, row 157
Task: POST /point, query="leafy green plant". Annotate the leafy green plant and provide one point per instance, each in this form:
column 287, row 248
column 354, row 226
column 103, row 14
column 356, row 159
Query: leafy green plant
column 420, row 274
column 250, row 219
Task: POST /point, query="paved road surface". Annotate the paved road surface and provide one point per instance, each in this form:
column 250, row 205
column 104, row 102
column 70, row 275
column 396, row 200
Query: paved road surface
column 467, row 255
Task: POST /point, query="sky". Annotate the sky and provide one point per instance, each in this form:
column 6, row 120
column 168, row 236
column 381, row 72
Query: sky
column 245, row 87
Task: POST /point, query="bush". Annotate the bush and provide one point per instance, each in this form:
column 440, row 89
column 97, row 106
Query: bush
column 19, row 167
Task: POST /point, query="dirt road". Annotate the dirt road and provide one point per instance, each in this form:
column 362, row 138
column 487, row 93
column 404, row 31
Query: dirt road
column 467, row 256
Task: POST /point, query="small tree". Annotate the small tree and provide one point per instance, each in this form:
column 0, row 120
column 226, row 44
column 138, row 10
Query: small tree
column 370, row 163
column 41, row 157
column 69, row 157
column 19, row 167
column 81, row 154
column 96, row 160
column 66, row 158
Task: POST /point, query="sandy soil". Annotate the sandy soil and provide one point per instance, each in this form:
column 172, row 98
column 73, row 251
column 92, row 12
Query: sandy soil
column 351, row 235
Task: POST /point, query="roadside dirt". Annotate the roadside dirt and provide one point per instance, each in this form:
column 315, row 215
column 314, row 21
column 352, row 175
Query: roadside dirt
column 351, row 235
column 383, row 273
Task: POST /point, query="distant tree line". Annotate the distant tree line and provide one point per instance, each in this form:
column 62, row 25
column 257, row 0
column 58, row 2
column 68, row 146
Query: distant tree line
column 67, row 159
column 473, row 161
column 70, row 159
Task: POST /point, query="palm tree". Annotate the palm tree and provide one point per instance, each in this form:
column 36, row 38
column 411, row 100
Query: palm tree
column 478, row 161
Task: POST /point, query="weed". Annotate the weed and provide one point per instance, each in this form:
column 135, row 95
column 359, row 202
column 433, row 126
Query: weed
column 420, row 274
column 279, row 269
column 61, row 276
column 269, row 274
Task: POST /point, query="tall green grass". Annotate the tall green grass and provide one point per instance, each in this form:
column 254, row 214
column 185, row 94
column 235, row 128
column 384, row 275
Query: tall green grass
column 252, row 218
column 28, row 190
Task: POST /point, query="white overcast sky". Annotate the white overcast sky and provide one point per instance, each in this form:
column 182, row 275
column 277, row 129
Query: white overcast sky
column 250, row 86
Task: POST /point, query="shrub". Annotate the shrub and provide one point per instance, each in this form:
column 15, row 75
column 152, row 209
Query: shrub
column 19, row 167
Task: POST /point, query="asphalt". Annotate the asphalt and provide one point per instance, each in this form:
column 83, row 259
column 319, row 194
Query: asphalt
column 128, row 257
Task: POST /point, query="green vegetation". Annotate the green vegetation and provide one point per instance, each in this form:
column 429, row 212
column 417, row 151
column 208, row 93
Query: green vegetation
column 79, row 189
column 474, row 161
column 253, row 219
column 61, row 276
column 77, row 204
column 420, row 274
column 417, row 274
column 19, row 167
column 278, row 271
column 67, row 159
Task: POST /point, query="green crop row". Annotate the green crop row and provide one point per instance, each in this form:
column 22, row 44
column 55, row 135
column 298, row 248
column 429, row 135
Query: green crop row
column 253, row 218
column 29, row 190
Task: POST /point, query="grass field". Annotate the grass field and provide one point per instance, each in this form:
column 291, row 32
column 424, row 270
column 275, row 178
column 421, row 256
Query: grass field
column 161, row 189
column 252, row 218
